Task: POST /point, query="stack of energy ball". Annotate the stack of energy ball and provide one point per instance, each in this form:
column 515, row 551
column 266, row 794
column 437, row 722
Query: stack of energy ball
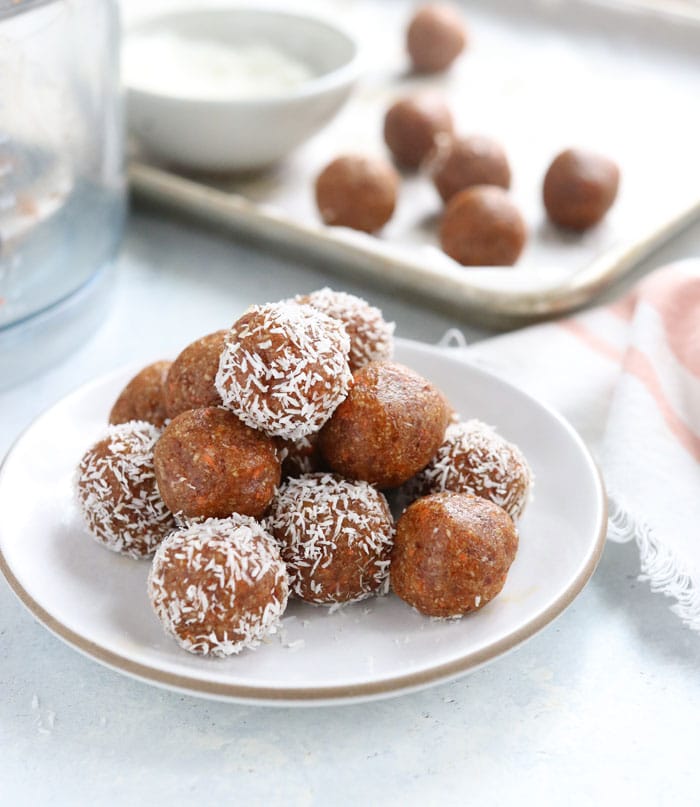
column 255, row 466
column 480, row 225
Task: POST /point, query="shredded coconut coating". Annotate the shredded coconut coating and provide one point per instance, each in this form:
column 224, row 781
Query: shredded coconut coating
column 219, row 586
column 335, row 537
column 284, row 369
column 117, row 492
column 371, row 336
column 474, row 458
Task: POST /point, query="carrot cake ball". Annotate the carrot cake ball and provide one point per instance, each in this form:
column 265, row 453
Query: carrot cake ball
column 481, row 226
column 335, row 537
column 142, row 398
column 388, row 428
column 301, row 456
column 452, row 552
column 190, row 381
column 284, row 369
column 357, row 191
column 436, row 36
column 219, row 586
column 210, row 464
column 579, row 188
column 412, row 125
column 475, row 459
column 462, row 162
column 117, row 492
column 371, row 336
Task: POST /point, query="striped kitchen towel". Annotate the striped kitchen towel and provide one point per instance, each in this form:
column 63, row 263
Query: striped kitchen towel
column 627, row 376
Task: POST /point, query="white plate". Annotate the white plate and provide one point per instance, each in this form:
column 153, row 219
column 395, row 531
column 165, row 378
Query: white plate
column 96, row 600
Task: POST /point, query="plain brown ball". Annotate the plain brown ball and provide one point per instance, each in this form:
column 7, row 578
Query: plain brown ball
column 579, row 188
column 481, row 226
column 452, row 553
column 190, row 380
column 358, row 192
column 411, row 126
column 142, row 398
column 463, row 162
column 388, row 428
column 209, row 464
column 436, row 36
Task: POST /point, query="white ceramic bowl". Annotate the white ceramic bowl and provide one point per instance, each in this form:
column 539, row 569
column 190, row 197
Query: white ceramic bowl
column 240, row 134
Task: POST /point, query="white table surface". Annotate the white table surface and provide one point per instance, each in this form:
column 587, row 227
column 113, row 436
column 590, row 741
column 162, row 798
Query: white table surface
column 601, row 707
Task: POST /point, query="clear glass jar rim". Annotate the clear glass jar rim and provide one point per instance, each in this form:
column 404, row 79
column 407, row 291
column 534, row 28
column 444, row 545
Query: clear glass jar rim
column 10, row 8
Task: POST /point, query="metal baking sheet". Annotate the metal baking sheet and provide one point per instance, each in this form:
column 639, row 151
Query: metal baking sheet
column 538, row 76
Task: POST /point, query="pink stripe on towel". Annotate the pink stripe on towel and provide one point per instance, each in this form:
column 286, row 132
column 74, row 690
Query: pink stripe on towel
column 624, row 307
column 676, row 297
column 592, row 340
column 639, row 365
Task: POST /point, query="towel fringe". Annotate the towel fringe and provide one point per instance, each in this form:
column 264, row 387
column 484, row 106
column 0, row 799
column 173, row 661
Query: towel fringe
column 453, row 338
column 659, row 565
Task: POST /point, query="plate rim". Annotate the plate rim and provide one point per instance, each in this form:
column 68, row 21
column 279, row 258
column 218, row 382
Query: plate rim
column 331, row 694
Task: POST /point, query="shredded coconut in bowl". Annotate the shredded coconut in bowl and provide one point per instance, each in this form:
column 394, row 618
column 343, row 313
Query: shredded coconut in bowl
column 284, row 369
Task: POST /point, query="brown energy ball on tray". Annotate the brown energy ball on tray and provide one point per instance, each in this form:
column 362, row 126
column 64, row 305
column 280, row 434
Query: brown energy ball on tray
column 412, row 125
column 452, row 553
column 301, row 456
column 142, row 398
column 482, row 227
column 462, row 162
column 388, row 428
column 335, row 537
column 117, row 492
column 436, row 36
column 209, row 464
column 284, row 369
column 190, row 381
column 371, row 336
column 357, row 191
column 476, row 459
column 579, row 188
column 219, row 586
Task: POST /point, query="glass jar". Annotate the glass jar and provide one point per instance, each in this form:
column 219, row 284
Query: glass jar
column 62, row 181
